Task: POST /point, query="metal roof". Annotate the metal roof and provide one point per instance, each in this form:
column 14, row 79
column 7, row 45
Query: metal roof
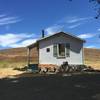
column 69, row 34
column 46, row 37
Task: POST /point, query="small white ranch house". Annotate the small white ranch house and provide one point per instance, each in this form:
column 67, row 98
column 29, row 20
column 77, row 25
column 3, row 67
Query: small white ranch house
column 58, row 48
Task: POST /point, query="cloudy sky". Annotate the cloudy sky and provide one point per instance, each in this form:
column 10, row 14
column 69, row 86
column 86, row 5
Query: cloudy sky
column 21, row 21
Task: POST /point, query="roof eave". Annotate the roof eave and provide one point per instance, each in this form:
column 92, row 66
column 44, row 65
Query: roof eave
column 32, row 45
column 63, row 33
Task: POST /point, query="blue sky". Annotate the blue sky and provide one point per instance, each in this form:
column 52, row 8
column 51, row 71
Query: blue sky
column 21, row 21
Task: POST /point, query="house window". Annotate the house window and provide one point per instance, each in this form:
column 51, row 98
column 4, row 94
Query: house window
column 55, row 50
column 61, row 50
column 67, row 50
column 48, row 49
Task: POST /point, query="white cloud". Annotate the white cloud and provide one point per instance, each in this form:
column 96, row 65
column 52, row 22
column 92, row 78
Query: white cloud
column 10, row 38
column 8, row 20
column 23, row 43
column 5, row 20
column 85, row 36
column 53, row 29
column 67, row 22
column 98, row 29
column 74, row 25
column 74, row 19
column 78, row 19
column 90, row 46
column 3, row 15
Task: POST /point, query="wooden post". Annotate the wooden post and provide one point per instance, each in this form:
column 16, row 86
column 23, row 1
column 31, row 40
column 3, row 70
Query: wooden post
column 28, row 56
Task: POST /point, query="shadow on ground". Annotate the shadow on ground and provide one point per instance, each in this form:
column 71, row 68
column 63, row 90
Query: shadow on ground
column 53, row 87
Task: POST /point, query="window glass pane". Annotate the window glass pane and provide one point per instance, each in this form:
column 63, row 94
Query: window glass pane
column 61, row 49
column 68, row 50
column 48, row 49
column 55, row 50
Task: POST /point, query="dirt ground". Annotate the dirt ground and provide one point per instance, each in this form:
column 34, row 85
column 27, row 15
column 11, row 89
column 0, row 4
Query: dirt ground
column 8, row 72
column 93, row 64
column 53, row 87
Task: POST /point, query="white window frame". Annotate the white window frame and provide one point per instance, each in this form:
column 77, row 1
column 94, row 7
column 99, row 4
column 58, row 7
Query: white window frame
column 57, row 51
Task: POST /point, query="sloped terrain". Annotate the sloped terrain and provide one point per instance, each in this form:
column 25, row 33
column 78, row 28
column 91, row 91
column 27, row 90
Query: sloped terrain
column 92, row 57
column 18, row 57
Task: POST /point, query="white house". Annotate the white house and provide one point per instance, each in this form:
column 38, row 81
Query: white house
column 58, row 48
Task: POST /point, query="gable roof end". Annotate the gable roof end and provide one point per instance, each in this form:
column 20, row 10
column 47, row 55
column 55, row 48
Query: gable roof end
column 71, row 35
column 46, row 37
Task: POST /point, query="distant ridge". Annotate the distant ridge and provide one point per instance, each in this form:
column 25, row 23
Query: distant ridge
column 91, row 56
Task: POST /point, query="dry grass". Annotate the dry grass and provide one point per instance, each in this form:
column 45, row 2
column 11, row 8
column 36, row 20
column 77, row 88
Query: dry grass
column 8, row 72
column 92, row 57
column 17, row 57
column 12, row 64
column 94, row 64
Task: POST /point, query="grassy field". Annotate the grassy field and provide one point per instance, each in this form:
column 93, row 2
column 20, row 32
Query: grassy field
column 17, row 57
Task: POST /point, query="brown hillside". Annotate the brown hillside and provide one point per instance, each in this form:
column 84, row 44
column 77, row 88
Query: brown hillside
column 19, row 55
column 92, row 57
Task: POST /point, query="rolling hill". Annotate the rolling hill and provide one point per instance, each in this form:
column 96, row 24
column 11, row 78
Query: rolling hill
column 16, row 57
column 92, row 57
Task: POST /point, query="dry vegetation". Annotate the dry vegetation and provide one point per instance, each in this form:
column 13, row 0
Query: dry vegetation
column 17, row 57
column 92, row 57
column 8, row 72
column 14, row 58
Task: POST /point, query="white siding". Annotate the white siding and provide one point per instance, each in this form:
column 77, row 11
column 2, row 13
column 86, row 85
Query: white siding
column 48, row 58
